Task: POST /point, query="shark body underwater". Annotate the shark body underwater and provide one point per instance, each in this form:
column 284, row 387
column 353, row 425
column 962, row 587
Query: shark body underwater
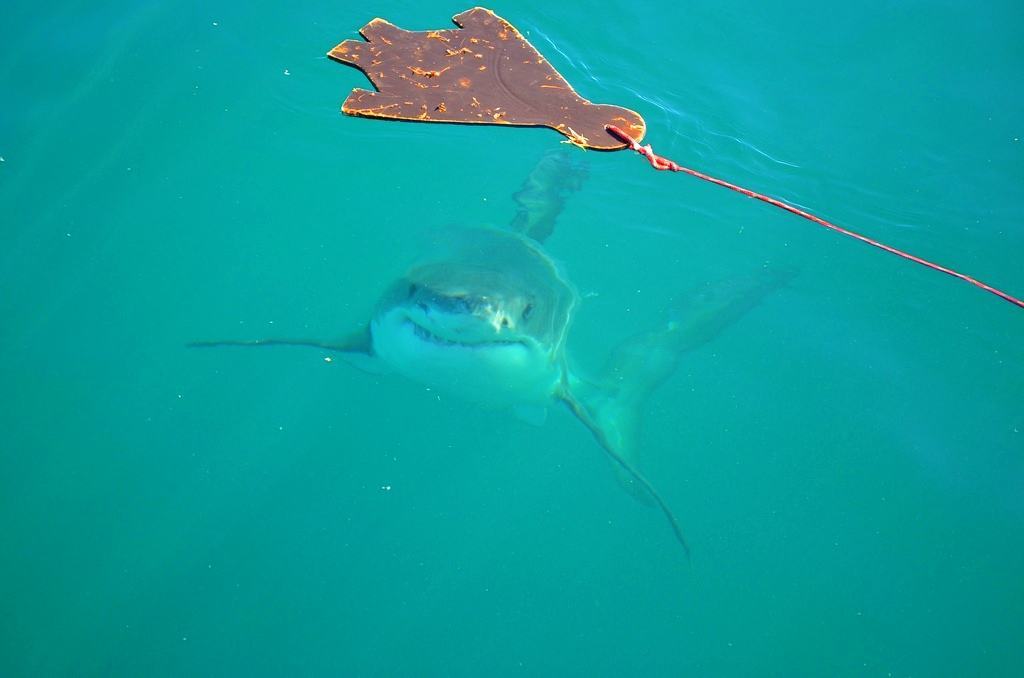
column 485, row 314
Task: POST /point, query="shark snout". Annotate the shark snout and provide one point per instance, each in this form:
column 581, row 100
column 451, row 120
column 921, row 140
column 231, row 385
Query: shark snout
column 438, row 303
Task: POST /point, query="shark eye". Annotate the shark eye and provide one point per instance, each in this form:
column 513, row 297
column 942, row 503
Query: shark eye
column 527, row 311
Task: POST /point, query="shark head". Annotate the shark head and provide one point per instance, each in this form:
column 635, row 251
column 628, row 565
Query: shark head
column 483, row 315
column 477, row 308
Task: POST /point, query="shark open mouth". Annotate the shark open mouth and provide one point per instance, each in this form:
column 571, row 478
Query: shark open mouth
column 426, row 335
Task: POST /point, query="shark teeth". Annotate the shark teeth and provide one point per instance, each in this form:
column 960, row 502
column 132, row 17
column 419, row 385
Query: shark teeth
column 428, row 336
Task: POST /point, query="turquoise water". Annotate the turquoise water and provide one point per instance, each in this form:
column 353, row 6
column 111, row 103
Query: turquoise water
column 846, row 459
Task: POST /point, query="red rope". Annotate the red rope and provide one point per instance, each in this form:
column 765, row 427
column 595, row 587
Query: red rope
column 660, row 163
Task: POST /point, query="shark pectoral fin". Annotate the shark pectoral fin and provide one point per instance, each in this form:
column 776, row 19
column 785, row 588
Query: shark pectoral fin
column 607, row 440
column 611, row 406
column 702, row 314
column 629, row 483
column 356, row 349
column 618, row 419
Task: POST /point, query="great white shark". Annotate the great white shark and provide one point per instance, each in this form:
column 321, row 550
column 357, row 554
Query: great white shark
column 484, row 313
